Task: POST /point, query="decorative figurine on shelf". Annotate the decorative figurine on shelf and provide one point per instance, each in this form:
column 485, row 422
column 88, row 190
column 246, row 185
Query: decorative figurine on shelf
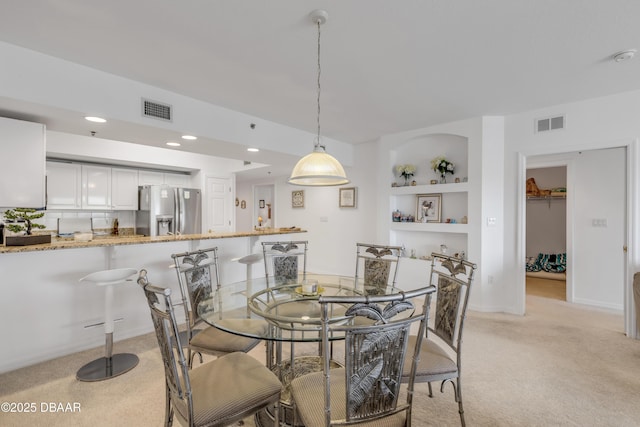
column 406, row 172
column 396, row 216
column 442, row 166
column 259, row 221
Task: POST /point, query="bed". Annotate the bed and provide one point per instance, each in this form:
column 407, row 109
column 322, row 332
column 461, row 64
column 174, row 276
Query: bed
column 547, row 266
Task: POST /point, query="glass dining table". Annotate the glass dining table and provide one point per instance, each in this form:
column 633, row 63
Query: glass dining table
column 285, row 314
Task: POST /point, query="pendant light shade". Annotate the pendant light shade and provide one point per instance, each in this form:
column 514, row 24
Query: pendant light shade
column 318, row 168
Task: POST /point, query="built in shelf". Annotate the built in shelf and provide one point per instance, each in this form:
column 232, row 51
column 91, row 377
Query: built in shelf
column 435, row 227
column 430, row 188
column 550, row 197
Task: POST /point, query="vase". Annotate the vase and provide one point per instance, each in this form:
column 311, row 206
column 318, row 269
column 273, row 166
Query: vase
column 443, row 178
column 406, row 181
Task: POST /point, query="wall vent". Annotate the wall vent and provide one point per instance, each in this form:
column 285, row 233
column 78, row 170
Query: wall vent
column 157, row 110
column 550, row 123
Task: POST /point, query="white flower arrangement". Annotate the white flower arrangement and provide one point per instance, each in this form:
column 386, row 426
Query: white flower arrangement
column 442, row 165
column 406, row 171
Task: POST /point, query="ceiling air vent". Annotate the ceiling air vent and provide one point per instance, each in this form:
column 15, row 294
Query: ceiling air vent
column 549, row 123
column 156, row 110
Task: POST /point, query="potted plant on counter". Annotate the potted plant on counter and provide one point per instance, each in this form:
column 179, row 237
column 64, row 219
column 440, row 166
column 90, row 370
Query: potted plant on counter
column 20, row 220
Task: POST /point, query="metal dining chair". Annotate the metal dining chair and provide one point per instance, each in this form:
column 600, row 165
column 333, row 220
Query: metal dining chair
column 377, row 265
column 282, row 261
column 217, row 393
column 197, row 270
column 367, row 390
column 441, row 354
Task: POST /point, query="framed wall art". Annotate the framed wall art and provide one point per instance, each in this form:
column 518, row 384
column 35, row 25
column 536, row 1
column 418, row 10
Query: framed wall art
column 297, row 199
column 429, row 207
column 261, row 204
column 347, row 197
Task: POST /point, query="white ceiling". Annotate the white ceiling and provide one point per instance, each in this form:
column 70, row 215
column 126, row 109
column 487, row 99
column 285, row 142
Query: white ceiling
column 387, row 66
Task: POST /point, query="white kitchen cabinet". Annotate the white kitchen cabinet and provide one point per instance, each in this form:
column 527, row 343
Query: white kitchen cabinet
column 177, row 180
column 64, row 185
column 22, row 174
column 164, row 178
column 96, row 187
column 124, row 189
column 150, row 178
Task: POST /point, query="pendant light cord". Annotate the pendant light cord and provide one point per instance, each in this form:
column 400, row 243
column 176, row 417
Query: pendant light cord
column 319, row 70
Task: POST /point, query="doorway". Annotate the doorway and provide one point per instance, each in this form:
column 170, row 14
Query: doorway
column 546, row 232
column 597, row 228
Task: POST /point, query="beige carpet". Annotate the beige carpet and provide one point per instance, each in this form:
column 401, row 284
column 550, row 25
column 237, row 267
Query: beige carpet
column 560, row 365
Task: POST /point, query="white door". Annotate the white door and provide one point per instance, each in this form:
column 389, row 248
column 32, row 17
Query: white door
column 218, row 202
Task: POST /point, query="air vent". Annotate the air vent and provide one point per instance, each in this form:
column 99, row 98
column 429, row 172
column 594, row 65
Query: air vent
column 156, row 110
column 549, row 123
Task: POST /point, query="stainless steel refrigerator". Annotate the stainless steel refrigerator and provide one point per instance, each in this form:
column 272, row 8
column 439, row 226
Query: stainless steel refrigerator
column 165, row 210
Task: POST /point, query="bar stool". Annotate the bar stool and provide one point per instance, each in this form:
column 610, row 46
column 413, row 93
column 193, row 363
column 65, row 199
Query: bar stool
column 111, row 365
column 249, row 260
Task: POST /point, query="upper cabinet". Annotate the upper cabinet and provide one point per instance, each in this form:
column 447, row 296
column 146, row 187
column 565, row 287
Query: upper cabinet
column 124, row 189
column 96, row 187
column 91, row 187
column 64, row 185
column 22, row 175
column 163, row 178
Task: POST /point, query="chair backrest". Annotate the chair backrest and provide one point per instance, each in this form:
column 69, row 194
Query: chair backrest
column 379, row 266
column 375, row 351
column 452, row 277
column 176, row 368
column 196, row 279
column 282, row 261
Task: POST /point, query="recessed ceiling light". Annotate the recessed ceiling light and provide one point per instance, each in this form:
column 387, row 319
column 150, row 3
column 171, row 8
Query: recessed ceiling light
column 253, row 150
column 173, row 144
column 624, row 55
column 95, row 119
column 189, row 137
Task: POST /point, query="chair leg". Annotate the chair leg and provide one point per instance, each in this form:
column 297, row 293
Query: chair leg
column 430, row 390
column 168, row 412
column 459, row 400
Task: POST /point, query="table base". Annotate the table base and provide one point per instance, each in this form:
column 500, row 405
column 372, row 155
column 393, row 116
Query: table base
column 301, row 365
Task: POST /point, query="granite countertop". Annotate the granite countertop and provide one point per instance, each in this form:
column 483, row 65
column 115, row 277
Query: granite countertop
column 110, row 240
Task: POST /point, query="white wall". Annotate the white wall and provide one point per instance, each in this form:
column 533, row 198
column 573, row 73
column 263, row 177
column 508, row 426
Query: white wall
column 45, row 80
column 332, row 231
column 593, row 124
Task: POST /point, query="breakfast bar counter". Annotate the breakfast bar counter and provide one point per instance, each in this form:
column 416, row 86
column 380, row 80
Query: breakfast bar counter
column 110, row 240
column 47, row 312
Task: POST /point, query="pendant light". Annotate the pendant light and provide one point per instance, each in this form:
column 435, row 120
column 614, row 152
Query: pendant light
column 318, row 168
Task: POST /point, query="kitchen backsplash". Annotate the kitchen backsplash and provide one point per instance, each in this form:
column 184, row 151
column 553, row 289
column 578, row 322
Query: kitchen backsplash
column 101, row 220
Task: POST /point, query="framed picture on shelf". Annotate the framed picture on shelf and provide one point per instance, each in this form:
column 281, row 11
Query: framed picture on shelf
column 347, row 197
column 428, row 207
column 297, row 199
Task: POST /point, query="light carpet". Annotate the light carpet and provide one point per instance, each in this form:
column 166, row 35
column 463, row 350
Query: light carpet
column 559, row 365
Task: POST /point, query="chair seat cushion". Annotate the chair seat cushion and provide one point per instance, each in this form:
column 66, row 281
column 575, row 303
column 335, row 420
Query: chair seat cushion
column 308, row 394
column 226, row 387
column 435, row 363
column 217, row 340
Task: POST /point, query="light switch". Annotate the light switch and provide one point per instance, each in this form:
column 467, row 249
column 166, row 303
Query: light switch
column 491, row 222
